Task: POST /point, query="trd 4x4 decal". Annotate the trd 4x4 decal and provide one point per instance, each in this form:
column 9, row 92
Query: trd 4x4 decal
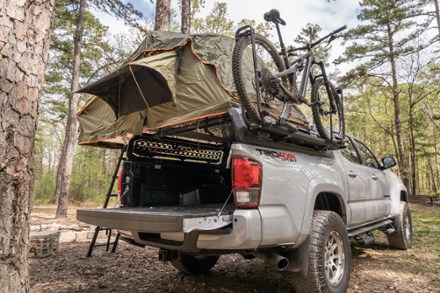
column 278, row 155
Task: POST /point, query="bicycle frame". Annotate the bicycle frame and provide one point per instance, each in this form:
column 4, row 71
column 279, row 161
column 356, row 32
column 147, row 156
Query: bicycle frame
column 307, row 60
column 290, row 88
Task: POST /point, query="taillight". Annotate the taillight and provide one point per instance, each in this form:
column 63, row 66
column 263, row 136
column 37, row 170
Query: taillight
column 246, row 182
column 120, row 187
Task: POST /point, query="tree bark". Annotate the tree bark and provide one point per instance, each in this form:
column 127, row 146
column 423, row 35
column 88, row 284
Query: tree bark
column 432, row 177
column 413, row 159
column 435, row 172
column 186, row 17
column 437, row 16
column 24, row 43
column 163, row 14
column 66, row 160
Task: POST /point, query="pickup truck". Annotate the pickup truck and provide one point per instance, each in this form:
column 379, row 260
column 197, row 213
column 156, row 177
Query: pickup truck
column 197, row 193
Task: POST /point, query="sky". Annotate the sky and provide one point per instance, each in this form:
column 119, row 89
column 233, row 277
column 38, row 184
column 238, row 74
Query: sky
column 297, row 13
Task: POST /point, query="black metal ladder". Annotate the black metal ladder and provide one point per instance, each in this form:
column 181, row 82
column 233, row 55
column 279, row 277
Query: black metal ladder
column 108, row 231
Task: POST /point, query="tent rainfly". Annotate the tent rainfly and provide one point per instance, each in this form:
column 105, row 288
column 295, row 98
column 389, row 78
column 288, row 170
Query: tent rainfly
column 171, row 78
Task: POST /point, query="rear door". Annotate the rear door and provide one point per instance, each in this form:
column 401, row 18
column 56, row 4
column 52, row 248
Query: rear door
column 367, row 200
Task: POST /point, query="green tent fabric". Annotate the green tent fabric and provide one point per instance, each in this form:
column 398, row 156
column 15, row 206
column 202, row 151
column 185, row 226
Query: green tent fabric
column 170, row 79
column 100, row 127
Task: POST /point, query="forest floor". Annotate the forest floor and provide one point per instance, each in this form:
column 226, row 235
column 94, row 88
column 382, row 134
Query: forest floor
column 375, row 268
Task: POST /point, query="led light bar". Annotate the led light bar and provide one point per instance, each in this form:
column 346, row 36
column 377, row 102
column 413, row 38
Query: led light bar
column 176, row 151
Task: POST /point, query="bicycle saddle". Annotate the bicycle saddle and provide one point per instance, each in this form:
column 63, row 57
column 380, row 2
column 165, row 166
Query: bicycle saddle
column 274, row 16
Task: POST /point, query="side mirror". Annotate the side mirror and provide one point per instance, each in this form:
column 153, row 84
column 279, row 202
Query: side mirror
column 388, row 162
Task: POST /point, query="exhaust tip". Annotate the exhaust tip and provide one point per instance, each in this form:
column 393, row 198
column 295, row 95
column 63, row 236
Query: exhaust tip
column 283, row 263
column 279, row 261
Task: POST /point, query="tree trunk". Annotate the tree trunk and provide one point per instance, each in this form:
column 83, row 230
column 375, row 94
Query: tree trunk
column 186, row 17
column 397, row 123
column 412, row 149
column 437, row 16
column 432, row 178
column 66, row 160
column 435, row 172
column 163, row 13
column 24, row 43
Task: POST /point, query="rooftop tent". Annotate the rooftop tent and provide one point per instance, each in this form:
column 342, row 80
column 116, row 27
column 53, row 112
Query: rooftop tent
column 100, row 127
column 137, row 85
column 170, row 79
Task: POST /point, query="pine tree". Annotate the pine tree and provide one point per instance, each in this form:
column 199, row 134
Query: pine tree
column 163, row 15
column 378, row 43
column 186, row 17
column 64, row 171
column 76, row 13
column 309, row 34
column 217, row 22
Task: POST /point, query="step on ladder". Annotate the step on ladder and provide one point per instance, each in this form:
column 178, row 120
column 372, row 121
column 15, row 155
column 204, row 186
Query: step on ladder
column 108, row 231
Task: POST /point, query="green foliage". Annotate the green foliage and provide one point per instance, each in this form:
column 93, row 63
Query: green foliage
column 309, row 34
column 45, row 188
column 215, row 23
column 427, row 229
column 385, row 34
column 363, row 119
column 101, row 53
column 369, row 115
column 92, row 172
column 388, row 84
column 59, row 70
column 263, row 28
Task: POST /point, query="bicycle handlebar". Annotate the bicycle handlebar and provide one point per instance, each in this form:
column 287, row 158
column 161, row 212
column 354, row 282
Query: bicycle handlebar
column 331, row 35
column 339, row 30
column 309, row 46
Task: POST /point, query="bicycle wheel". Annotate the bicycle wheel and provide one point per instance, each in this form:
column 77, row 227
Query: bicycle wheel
column 243, row 71
column 327, row 117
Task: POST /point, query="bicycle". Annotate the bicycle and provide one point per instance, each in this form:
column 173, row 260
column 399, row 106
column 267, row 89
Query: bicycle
column 268, row 90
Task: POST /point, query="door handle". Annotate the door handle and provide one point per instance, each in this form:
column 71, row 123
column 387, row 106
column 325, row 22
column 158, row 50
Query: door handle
column 374, row 177
column 351, row 174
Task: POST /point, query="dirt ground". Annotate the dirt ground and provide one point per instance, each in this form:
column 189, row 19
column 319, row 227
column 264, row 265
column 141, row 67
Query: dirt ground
column 133, row 269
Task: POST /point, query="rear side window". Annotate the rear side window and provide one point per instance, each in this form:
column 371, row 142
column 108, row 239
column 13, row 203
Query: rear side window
column 350, row 153
column 368, row 158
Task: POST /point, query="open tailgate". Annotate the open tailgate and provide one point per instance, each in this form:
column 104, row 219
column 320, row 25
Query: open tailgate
column 160, row 219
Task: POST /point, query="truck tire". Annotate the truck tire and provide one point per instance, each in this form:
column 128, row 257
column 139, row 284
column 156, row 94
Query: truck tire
column 194, row 264
column 329, row 255
column 402, row 237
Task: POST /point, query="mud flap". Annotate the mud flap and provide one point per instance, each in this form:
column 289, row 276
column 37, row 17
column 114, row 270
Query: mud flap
column 298, row 259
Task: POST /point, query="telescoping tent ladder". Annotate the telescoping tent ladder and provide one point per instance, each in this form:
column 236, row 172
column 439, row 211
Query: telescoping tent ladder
column 107, row 230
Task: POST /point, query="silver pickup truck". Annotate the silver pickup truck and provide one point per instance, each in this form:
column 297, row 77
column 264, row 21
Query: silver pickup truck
column 225, row 190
